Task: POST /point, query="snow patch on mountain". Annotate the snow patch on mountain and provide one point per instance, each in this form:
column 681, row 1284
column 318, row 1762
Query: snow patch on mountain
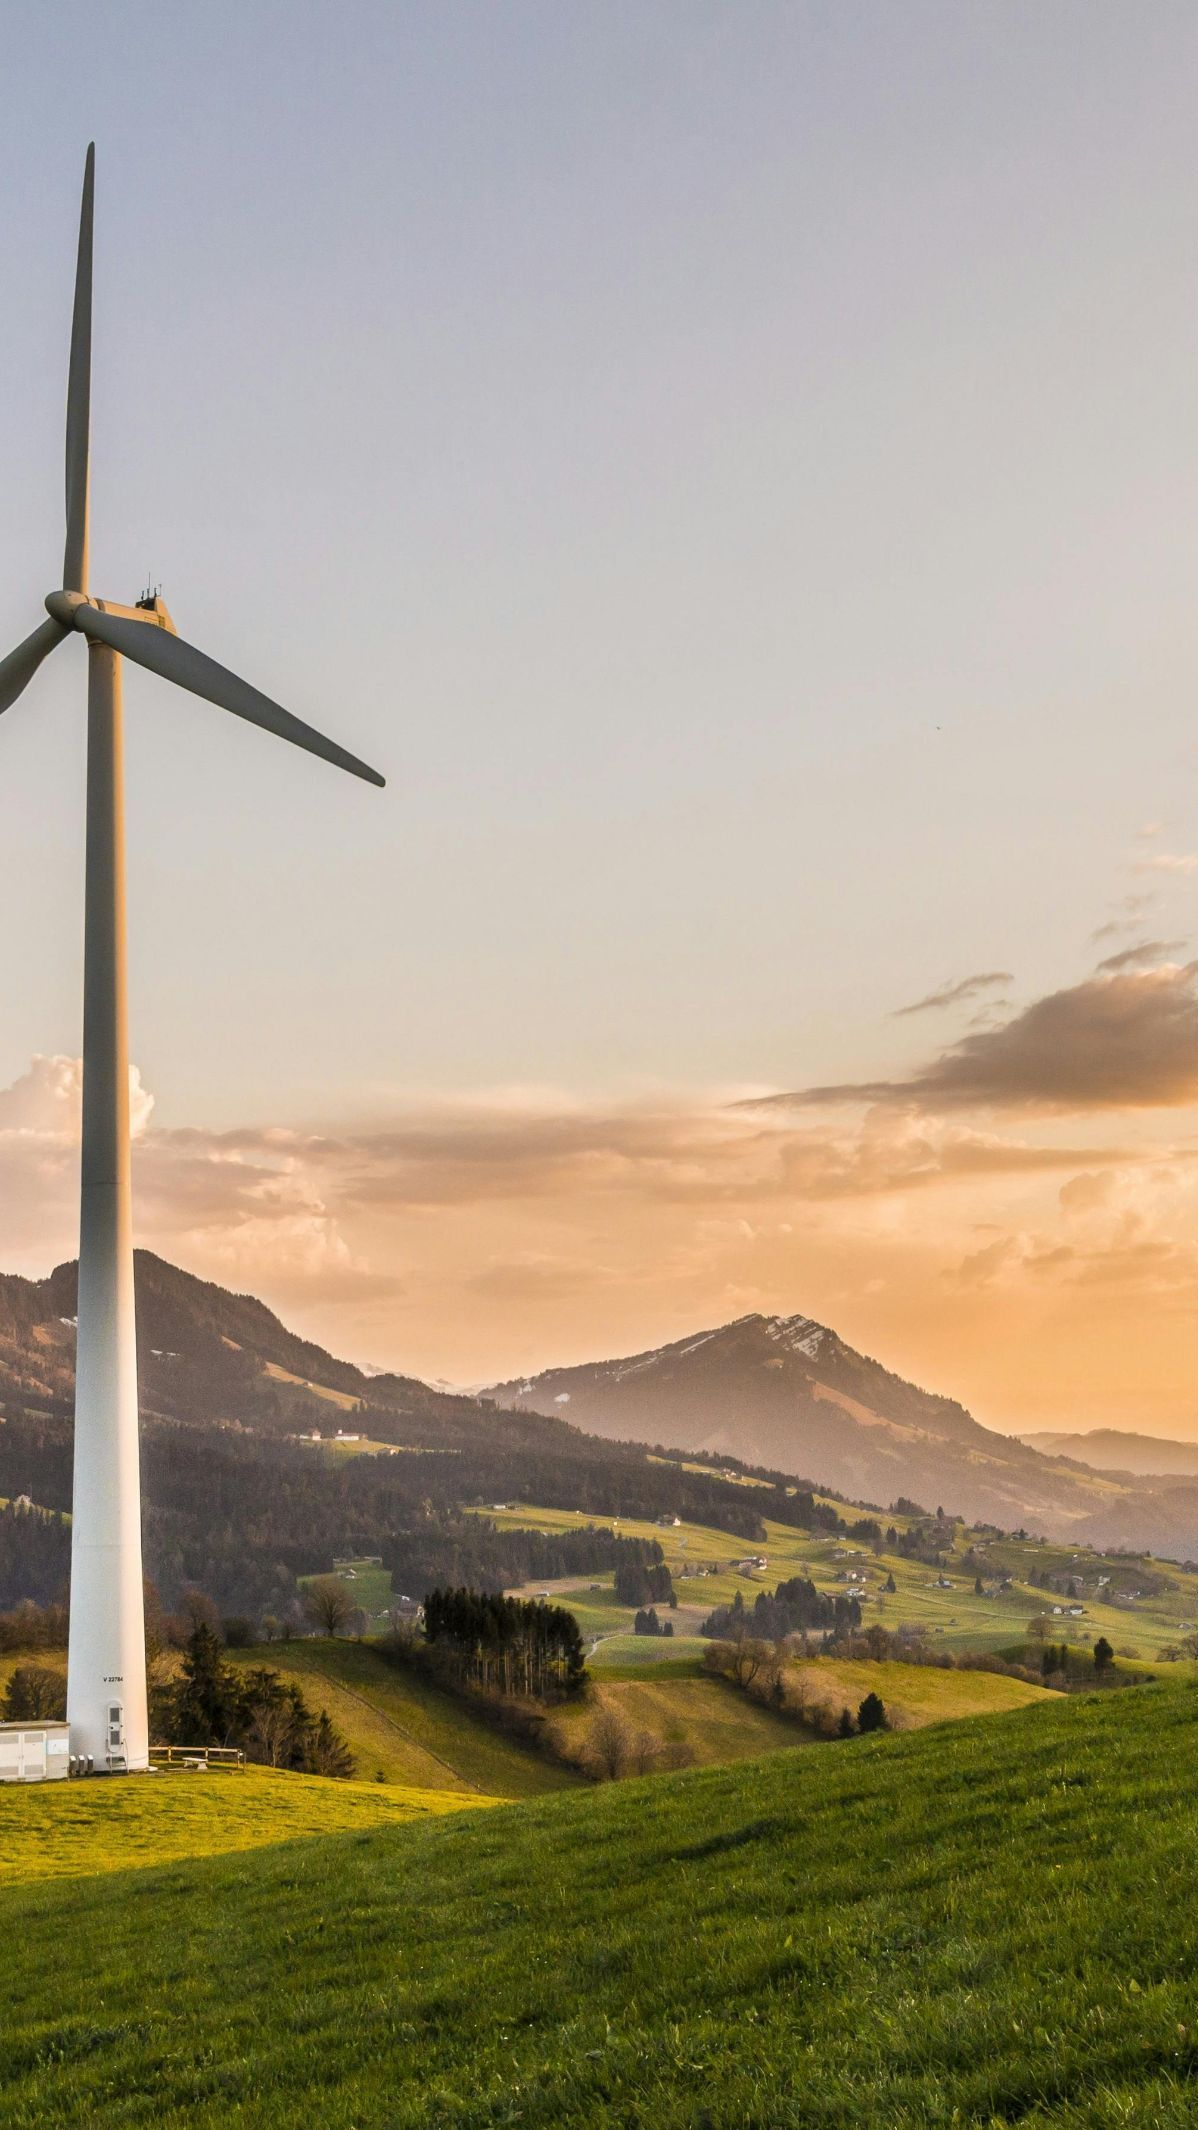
column 801, row 1334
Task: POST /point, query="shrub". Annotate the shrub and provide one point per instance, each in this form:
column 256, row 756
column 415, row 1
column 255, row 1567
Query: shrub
column 34, row 1694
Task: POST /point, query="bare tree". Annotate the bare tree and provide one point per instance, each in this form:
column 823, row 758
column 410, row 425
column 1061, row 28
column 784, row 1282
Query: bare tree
column 607, row 1747
column 644, row 1753
column 676, row 1753
column 748, row 1656
column 269, row 1736
column 328, row 1605
column 199, row 1610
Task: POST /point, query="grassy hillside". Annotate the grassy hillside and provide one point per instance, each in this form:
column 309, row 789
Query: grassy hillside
column 980, row 1924
column 708, row 1716
column 394, row 1724
column 704, row 1562
column 624, row 1652
column 915, row 1694
column 677, row 1704
column 397, row 1725
column 78, row 1829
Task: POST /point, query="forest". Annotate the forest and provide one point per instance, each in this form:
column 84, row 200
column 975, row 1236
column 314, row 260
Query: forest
column 795, row 1607
column 504, row 1645
column 242, row 1515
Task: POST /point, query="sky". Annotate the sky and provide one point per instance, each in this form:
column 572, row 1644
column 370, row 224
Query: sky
column 733, row 469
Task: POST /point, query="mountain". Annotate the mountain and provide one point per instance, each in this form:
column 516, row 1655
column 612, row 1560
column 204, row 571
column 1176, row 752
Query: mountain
column 1109, row 1449
column 783, row 1393
column 789, row 1394
column 236, row 1503
column 204, row 1354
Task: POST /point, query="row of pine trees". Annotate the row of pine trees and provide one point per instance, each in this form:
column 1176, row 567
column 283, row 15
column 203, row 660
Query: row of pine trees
column 509, row 1646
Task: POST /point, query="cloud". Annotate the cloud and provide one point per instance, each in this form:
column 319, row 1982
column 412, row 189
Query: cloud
column 47, row 1101
column 1084, row 1194
column 1148, row 952
column 1131, row 915
column 953, row 994
column 307, row 1212
column 1126, row 1040
column 532, row 1276
column 1169, row 862
column 474, row 1238
column 981, row 1266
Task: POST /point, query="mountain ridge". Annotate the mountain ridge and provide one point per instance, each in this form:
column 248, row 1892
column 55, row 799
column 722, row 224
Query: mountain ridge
column 1110, row 1449
column 787, row 1393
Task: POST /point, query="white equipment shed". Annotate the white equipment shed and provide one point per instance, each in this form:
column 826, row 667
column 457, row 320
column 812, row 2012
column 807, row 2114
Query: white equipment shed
column 34, row 1752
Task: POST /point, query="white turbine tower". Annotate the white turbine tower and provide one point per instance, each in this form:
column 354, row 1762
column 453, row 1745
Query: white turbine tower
column 106, row 1671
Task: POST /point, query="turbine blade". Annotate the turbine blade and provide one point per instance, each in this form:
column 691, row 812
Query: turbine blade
column 18, row 669
column 160, row 652
column 79, row 388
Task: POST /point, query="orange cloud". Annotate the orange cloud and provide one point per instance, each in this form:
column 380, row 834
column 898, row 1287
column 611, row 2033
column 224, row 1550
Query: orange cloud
column 1125, row 1040
column 479, row 1238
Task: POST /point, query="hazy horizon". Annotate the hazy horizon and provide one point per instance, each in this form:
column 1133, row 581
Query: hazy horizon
column 730, row 471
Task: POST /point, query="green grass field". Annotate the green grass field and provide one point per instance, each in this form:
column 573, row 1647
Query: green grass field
column 634, row 1651
column 917, row 1693
column 978, row 1925
column 396, row 1724
column 78, row 1829
column 957, row 1616
column 712, row 1719
column 677, row 1703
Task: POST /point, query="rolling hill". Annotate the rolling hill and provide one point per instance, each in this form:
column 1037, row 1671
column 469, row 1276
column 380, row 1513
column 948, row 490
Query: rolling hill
column 788, row 1394
column 80, row 1830
column 978, row 1923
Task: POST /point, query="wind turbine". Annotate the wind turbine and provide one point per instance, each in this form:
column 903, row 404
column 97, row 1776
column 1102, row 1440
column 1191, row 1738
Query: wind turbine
column 106, row 1670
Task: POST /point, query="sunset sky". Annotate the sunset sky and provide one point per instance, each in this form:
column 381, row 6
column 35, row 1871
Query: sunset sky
column 735, row 469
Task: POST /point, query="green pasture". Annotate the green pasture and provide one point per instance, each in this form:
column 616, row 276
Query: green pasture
column 77, row 1829
column 398, row 1725
column 970, row 1927
column 681, row 1653
column 958, row 1616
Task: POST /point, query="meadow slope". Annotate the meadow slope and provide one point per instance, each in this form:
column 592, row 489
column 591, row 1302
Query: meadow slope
column 986, row 1923
column 80, row 1829
column 400, row 1726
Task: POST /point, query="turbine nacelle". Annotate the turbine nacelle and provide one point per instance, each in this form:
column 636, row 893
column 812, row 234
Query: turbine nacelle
column 63, row 607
